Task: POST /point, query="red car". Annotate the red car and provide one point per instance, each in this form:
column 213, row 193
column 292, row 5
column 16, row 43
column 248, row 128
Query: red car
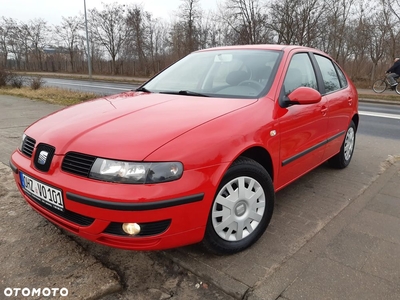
column 194, row 154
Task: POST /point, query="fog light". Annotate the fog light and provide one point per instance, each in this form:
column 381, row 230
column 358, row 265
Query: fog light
column 131, row 228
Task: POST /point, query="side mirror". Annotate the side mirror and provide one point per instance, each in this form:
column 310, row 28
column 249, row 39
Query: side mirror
column 303, row 95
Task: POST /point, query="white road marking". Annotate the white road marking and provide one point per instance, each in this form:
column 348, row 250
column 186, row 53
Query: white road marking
column 379, row 115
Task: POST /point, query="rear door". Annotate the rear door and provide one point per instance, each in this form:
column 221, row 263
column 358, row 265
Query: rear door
column 339, row 101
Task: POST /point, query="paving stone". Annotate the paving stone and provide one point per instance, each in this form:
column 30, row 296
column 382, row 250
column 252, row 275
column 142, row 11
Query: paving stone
column 379, row 225
column 384, row 262
column 326, row 279
column 393, row 187
column 385, row 204
column 351, row 248
column 19, row 114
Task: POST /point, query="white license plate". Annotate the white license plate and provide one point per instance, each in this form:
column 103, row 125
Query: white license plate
column 40, row 191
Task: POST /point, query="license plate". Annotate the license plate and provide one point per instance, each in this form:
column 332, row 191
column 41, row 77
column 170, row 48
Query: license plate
column 40, row 191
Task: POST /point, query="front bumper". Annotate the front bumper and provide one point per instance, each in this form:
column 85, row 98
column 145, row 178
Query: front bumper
column 170, row 214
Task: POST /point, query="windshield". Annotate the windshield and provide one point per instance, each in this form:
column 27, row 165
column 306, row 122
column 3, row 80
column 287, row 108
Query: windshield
column 219, row 73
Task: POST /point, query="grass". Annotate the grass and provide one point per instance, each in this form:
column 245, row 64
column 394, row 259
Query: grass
column 50, row 95
column 391, row 97
column 365, row 91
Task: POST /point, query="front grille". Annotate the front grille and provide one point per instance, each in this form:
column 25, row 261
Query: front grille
column 78, row 163
column 43, row 157
column 146, row 229
column 66, row 214
column 28, row 145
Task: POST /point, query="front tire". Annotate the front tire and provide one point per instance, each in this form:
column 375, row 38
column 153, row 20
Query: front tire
column 379, row 86
column 343, row 158
column 242, row 208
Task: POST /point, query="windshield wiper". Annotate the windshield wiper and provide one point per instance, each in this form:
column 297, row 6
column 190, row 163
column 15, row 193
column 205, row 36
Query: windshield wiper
column 142, row 89
column 186, row 93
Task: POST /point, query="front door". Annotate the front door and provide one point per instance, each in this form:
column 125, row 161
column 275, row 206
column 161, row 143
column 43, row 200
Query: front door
column 302, row 127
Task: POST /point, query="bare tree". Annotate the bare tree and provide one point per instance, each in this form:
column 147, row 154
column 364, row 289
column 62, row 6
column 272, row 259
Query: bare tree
column 190, row 15
column 137, row 43
column 184, row 34
column 158, row 44
column 36, row 32
column 108, row 28
column 382, row 35
column 298, row 22
column 147, row 43
column 338, row 18
column 390, row 9
column 5, row 32
column 68, row 34
column 393, row 5
column 18, row 44
column 209, row 32
column 247, row 20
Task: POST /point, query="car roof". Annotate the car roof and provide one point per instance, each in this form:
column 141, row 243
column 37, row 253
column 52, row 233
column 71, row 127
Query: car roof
column 285, row 48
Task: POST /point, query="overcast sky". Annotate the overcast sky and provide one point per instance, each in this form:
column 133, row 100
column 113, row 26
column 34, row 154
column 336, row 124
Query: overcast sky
column 52, row 10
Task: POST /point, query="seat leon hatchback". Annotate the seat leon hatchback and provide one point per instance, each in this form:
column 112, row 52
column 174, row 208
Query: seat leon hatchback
column 193, row 155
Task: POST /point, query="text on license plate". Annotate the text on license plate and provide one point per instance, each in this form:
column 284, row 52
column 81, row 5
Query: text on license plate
column 40, row 191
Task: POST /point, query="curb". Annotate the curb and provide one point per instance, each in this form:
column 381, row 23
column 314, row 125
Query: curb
column 392, row 102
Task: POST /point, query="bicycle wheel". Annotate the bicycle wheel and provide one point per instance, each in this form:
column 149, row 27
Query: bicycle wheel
column 397, row 89
column 379, row 86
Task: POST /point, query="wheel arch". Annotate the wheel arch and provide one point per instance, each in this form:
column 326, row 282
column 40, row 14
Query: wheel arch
column 262, row 156
column 356, row 120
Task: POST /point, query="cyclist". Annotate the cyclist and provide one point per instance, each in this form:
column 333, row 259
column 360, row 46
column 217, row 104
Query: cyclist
column 393, row 72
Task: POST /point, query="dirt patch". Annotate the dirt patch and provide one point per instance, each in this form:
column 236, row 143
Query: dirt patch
column 37, row 254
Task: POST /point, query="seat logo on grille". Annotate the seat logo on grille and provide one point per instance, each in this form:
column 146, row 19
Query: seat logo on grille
column 42, row 157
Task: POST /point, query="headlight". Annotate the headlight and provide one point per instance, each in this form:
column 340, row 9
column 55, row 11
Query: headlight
column 22, row 142
column 135, row 172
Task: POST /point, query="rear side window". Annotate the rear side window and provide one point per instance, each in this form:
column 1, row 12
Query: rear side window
column 329, row 75
column 342, row 77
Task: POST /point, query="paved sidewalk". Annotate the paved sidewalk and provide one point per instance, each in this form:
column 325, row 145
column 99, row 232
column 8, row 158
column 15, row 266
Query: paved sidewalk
column 356, row 256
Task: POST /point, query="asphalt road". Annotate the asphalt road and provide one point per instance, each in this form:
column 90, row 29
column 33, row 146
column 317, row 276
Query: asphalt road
column 97, row 87
column 379, row 120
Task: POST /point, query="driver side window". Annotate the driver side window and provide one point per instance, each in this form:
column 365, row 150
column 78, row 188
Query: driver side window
column 299, row 73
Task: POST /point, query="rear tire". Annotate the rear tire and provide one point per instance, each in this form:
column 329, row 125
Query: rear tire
column 379, row 86
column 343, row 158
column 241, row 210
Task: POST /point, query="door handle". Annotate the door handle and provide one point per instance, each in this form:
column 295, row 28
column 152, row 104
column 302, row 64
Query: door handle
column 350, row 100
column 324, row 110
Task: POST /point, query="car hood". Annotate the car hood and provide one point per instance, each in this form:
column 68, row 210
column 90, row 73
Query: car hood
column 128, row 126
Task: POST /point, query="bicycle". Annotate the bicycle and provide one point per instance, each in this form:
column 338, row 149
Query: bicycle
column 383, row 84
